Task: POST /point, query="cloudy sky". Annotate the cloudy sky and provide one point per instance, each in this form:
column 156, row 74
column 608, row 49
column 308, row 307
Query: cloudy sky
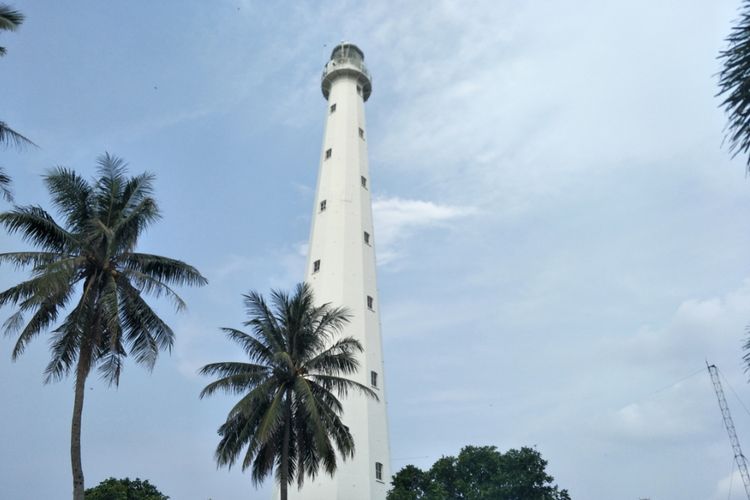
column 563, row 241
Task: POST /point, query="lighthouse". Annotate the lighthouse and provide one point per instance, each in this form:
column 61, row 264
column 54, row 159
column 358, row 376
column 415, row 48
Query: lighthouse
column 341, row 271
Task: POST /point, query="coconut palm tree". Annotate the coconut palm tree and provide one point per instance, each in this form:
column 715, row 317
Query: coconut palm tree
column 734, row 84
column 87, row 268
column 289, row 416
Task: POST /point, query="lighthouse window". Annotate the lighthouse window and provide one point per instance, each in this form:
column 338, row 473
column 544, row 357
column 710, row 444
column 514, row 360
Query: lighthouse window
column 374, row 379
column 359, row 89
column 361, row 134
column 322, row 205
column 370, row 301
column 367, row 237
column 333, row 108
column 378, row 471
column 329, row 152
column 316, row 266
column 363, row 179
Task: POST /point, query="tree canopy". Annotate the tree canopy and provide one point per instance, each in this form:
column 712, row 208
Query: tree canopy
column 124, row 489
column 479, row 473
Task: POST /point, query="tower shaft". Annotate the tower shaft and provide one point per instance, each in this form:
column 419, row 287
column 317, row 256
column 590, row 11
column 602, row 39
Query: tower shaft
column 341, row 271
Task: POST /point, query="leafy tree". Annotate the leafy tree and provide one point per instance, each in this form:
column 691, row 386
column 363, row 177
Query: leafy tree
column 10, row 20
column 88, row 268
column 734, row 84
column 124, row 489
column 289, row 416
column 479, row 473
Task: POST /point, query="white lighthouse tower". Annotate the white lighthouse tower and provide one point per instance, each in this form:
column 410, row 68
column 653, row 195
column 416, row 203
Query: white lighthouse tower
column 341, row 271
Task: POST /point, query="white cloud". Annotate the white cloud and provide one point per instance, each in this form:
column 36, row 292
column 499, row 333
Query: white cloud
column 396, row 219
column 730, row 487
column 700, row 329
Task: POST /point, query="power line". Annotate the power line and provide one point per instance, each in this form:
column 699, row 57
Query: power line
column 734, row 392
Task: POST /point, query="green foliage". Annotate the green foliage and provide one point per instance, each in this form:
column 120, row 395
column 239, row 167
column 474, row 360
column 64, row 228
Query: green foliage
column 479, row 473
column 124, row 489
column 734, row 84
column 289, row 414
column 10, row 20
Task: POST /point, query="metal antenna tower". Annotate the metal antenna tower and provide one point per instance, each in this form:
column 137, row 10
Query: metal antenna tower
column 729, row 424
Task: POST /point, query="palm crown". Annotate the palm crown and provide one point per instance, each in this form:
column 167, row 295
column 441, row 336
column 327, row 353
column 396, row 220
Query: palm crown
column 289, row 416
column 93, row 252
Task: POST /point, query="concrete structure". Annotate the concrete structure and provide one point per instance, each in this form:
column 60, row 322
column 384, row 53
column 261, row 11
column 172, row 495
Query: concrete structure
column 341, row 270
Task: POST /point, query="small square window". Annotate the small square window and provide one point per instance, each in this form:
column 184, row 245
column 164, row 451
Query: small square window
column 370, row 301
column 329, row 152
column 359, row 89
column 364, row 182
column 367, row 237
column 322, row 205
column 333, row 108
column 378, row 471
column 361, row 134
column 316, row 266
column 374, row 379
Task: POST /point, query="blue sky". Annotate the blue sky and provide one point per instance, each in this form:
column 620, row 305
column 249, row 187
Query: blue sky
column 562, row 240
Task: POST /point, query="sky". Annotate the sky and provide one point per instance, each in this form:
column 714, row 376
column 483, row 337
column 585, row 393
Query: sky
column 562, row 238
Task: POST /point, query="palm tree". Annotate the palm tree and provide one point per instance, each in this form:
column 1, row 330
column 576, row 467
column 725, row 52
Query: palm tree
column 289, row 416
column 734, row 84
column 88, row 268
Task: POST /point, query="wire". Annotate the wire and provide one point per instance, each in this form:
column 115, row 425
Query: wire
column 733, row 391
column 673, row 384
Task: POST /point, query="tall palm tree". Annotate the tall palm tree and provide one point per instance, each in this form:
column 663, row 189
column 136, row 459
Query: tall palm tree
column 88, row 268
column 289, row 416
column 734, row 84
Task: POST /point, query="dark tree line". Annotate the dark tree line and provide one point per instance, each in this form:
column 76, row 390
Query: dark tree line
column 479, row 473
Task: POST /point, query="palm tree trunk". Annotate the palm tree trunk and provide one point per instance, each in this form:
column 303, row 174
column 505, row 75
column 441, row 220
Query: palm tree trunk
column 284, row 473
column 82, row 371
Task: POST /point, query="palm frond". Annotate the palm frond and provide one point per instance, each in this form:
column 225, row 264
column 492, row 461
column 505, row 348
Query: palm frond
column 338, row 358
column 254, row 348
column 237, row 378
column 133, row 222
column 68, row 337
column 5, row 183
column 165, row 270
column 37, row 259
column 10, row 19
column 342, row 385
column 46, row 313
column 34, row 291
column 152, row 286
column 9, row 137
column 144, row 331
column 734, row 84
column 37, row 227
column 71, row 195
